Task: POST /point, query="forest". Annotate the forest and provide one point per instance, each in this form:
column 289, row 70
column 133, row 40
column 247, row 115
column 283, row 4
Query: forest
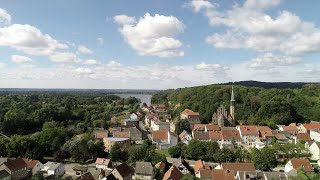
column 57, row 124
column 254, row 105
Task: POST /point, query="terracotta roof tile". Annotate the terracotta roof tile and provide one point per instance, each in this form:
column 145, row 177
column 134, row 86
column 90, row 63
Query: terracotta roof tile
column 121, row 134
column 230, row 134
column 101, row 134
column 173, row 174
column 238, row 166
column 161, row 134
column 215, row 135
column 249, row 130
column 311, row 126
column 190, row 112
column 30, row 163
column 198, row 165
column 302, row 163
column 103, row 161
column 289, row 128
column 15, row 164
column 202, row 136
column 223, row 174
column 304, row 136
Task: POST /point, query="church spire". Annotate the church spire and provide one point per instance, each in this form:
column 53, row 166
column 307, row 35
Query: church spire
column 232, row 96
column 232, row 106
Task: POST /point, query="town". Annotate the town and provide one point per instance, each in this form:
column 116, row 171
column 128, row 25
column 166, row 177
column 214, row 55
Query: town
column 150, row 144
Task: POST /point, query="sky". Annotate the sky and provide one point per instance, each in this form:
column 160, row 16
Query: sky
column 157, row 44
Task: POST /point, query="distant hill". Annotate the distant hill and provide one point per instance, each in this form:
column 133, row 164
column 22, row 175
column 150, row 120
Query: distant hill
column 269, row 85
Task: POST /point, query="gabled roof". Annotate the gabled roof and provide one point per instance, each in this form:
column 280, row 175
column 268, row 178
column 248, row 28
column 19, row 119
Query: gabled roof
column 275, row 175
column 223, row 174
column 124, row 170
column 215, row 135
column 121, row 134
column 202, row 127
column 160, row 134
column 200, row 135
column 302, row 163
column 289, row 128
column 238, row 166
column 144, row 168
column 249, row 130
column 103, row 161
column 181, row 161
column 198, row 165
column 230, row 134
column 190, row 112
column 265, row 131
column 205, row 173
column 311, row 126
column 15, row 164
column 101, row 134
column 30, row 163
column 183, row 134
column 304, row 136
column 52, row 165
column 173, row 174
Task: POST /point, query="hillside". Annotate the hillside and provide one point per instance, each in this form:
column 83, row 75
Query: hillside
column 255, row 105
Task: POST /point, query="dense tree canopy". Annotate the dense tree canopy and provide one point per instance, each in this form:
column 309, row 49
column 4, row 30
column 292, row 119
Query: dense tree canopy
column 253, row 105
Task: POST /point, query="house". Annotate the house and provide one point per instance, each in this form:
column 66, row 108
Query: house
column 17, row 168
column 164, row 139
column 131, row 122
column 121, row 172
column 223, row 174
column 305, row 128
column 249, row 135
column 53, row 168
column 315, row 151
column 134, row 116
column 315, row 134
column 249, row 175
column 301, row 137
column 172, row 174
column 202, row 170
column 230, row 136
column 161, row 166
column 143, row 170
column 33, row 166
column 4, row 175
column 148, row 118
column 135, row 134
column 110, row 141
column 157, row 125
column 205, row 127
column 190, row 116
column 293, row 130
column 121, row 134
column 201, row 135
column 280, row 137
column 274, row 175
column 265, row 134
column 102, row 163
column 185, row 137
column 236, row 166
column 294, row 164
column 182, row 165
column 99, row 135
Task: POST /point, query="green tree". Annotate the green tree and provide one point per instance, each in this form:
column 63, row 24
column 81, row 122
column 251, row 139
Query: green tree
column 264, row 159
column 38, row 176
column 115, row 152
column 175, row 151
column 182, row 125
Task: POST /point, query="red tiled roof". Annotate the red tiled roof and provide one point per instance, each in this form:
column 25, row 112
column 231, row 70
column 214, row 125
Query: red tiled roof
column 265, row 131
column 249, row 130
column 15, row 164
column 173, row 174
column 215, row 135
column 101, row 134
column 161, row 165
column 304, row 136
column 190, row 112
column 30, row 163
column 238, row 166
column 230, row 134
column 205, row 173
column 223, row 174
column 198, row 165
column 121, row 134
column 311, row 126
column 289, row 128
column 102, row 161
column 302, row 163
column 161, row 134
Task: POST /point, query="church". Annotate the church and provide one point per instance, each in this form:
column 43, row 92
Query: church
column 222, row 117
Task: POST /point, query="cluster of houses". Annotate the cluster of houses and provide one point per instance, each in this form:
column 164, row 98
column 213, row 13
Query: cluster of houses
column 22, row 168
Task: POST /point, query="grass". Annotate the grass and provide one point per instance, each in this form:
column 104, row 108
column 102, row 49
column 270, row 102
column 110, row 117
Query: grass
column 164, row 152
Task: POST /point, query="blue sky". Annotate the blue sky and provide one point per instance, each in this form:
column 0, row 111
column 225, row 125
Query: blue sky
column 156, row 44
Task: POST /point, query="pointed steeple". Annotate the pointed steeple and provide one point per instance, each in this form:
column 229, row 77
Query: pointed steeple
column 232, row 95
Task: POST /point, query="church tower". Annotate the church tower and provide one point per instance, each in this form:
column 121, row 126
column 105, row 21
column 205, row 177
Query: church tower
column 232, row 105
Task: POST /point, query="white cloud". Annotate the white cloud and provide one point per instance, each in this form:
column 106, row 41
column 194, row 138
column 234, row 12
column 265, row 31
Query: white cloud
column 5, row 18
column 64, row 57
column 250, row 27
column 214, row 68
column 269, row 61
column 3, row 65
column 114, row 64
column 29, row 39
column 82, row 71
column 124, row 19
column 154, row 35
column 84, row 50
column 21, row 59
column 90, row 62
column 100, row 41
